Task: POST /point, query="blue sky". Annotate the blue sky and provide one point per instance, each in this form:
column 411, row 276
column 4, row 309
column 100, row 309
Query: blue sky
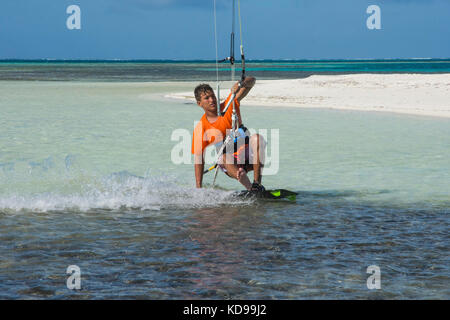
column 184, row 29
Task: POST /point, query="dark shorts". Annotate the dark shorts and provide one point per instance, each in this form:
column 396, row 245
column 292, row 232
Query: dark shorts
column 242, row 157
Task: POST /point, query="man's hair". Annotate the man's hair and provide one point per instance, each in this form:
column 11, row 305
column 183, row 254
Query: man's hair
column 202, row 88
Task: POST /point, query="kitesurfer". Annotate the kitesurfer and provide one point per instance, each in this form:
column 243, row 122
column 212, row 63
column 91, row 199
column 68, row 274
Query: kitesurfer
column 244, row 154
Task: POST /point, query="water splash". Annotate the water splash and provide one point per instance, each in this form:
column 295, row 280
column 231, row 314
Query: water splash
column 121, row 191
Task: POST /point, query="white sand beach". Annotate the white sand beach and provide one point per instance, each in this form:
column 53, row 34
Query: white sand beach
column 418, row 94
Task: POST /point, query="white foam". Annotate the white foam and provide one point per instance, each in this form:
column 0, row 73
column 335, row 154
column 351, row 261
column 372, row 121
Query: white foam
column 121, row 191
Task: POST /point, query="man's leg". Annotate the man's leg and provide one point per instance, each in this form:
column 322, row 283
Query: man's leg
column 258, row 149
column 237, row 173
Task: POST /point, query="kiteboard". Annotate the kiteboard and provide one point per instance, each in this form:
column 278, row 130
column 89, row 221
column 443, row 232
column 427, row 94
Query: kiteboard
column 267, row 194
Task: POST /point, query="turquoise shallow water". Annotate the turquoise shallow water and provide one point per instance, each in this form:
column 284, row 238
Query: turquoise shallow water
column 86, row 178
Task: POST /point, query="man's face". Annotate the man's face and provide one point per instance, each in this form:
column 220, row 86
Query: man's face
column 208, row 101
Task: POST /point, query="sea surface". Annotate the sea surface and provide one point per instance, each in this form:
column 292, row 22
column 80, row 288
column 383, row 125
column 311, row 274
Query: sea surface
column 90, row 175
column 162, row 70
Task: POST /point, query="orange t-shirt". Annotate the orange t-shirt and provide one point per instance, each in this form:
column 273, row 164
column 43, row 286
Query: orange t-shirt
column 206, row 133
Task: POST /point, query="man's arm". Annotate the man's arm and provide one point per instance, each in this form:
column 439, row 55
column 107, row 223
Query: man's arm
column 199, row 165
column 241, row 92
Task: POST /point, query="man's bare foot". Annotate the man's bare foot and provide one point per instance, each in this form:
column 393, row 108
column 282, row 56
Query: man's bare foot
column 241, row 172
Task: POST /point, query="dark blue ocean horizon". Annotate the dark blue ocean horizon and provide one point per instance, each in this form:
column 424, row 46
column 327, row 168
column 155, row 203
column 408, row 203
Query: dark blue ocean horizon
column 213, row 61
column 194, row 70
